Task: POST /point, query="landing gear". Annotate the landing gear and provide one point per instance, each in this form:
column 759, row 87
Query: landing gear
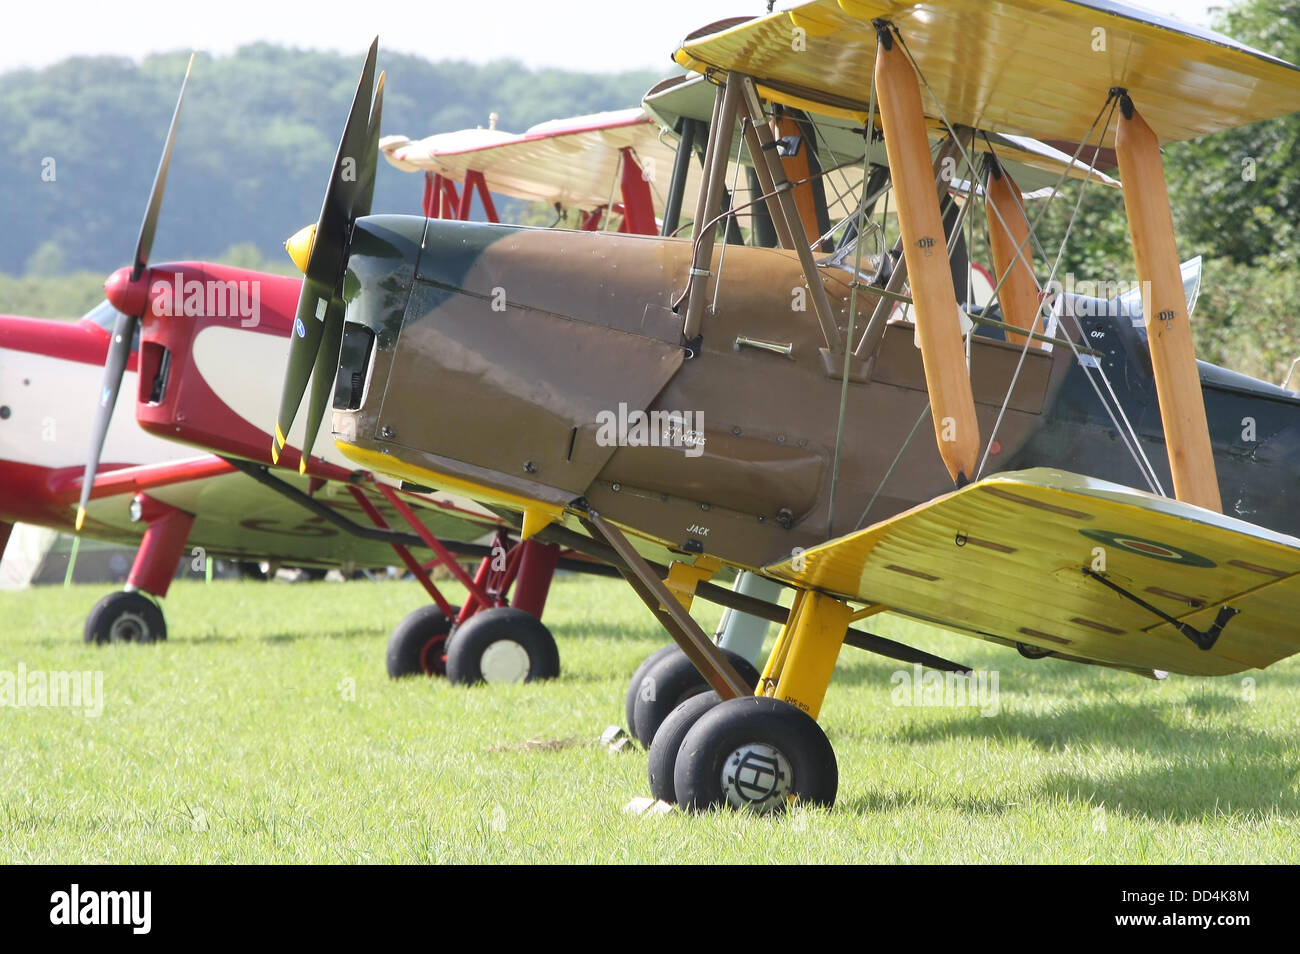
column 502, row 644
column 130, row 616
column 634, row 687
column 125, row 617
column 668, row 741
column 668, row 682
column 755, row 753
column 418, row 646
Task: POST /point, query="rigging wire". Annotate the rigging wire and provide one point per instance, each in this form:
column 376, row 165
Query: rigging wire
column 853, row 314
column 1135, row 450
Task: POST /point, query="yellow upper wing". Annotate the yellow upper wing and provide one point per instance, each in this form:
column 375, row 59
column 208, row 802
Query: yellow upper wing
column 1004, row 557
column 1034, row 67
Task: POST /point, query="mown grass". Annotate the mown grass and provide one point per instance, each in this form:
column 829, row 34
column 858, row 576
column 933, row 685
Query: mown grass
column 266, row 730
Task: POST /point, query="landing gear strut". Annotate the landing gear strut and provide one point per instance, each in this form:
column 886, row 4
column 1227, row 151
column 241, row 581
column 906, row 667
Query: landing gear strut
column 761, row 752
column 510, row 647
column 132, row 616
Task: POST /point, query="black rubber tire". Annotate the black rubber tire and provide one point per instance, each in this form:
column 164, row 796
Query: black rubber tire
column 474, row 638
column 670, row 682
column 668, row 740
column 634, row 686
column 313, row 574
column 418, row 645
column 125, row 617
column 719, row 736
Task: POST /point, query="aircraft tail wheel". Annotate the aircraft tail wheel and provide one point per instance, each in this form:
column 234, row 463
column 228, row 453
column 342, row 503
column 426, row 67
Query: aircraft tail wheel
column 418, row 645
column 634, row 687
column 502, row 644
column 756, row 753
column 125, row 617
column 668, row 740
column 669, row 682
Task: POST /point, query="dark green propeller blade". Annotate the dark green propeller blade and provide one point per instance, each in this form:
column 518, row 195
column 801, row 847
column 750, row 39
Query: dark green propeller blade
column 119, row 347
column 327, row 355
column 324, row 271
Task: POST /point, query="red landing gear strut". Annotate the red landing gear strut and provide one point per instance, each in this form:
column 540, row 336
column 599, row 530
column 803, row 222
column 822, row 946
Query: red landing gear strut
column 133, row 615
column 495, row 636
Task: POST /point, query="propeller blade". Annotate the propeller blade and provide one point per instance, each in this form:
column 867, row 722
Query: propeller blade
column 304, row 344
column 370, row 163
column 119, row 349
column 326, row 365
column 323, row 374
column 124, row 328
column 328, row 249
column 144, row 244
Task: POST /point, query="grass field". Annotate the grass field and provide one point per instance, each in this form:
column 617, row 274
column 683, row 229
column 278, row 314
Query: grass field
column 266, row 730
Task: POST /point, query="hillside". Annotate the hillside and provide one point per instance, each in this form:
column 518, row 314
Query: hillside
column 254, row 145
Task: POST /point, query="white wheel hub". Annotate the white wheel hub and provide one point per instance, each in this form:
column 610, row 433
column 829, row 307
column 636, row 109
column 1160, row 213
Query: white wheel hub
column 504, row 661
column 757, row 776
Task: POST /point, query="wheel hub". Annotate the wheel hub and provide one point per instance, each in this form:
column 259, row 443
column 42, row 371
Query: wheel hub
column 757, row 776
column 433, row 656
column 504, row 661
column 128, row 628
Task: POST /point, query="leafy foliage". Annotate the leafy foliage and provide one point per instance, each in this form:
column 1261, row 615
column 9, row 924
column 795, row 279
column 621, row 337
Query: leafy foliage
column 253, row 150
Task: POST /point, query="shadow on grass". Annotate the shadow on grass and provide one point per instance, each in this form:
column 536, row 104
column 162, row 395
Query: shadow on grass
column 895, row 800
column 280, row 637
column 1203, row 770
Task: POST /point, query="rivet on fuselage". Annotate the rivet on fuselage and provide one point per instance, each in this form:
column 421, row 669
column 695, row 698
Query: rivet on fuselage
column 530, row 467
column 387, row 433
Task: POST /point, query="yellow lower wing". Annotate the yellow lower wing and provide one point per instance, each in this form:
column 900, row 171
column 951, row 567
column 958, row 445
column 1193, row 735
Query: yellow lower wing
column 1005, row 558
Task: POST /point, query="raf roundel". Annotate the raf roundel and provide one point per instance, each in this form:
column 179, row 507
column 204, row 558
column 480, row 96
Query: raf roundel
column 1148, row 548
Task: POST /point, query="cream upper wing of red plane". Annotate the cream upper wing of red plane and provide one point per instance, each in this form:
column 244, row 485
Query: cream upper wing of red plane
column 575, row 162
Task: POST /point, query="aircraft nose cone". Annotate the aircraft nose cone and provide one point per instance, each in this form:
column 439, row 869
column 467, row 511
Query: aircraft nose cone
column 128, row 297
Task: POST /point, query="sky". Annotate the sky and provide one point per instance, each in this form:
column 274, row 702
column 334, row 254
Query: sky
column 590, row 35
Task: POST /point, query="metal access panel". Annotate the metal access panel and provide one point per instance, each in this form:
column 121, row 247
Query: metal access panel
column 537, row 382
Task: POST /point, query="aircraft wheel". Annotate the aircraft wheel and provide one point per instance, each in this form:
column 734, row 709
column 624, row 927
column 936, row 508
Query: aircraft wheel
column 757, row 753
column 669, row 682
column 668, row 740
column 634, row 686
column 125, row 617
column 502, row 644
column 418, row 645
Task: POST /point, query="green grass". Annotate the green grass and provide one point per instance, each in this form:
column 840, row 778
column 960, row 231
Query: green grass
column 238, row 741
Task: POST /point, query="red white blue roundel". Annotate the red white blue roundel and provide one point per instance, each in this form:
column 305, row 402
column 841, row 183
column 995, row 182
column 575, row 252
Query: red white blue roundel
column 1148, row 548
